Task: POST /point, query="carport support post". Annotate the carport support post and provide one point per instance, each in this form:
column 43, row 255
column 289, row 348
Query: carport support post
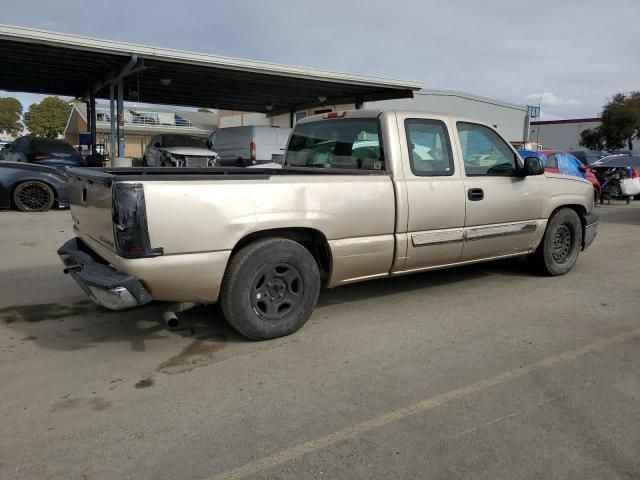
column 92, row 107
column 89, row 116
column 120, row 119
column 112, row 119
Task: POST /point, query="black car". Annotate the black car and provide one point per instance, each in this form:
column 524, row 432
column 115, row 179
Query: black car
column 42, row 151
column 587, row 157
column 32, row 188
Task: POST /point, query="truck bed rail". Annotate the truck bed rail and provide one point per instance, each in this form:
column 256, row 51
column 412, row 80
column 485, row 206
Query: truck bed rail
column 107, row 175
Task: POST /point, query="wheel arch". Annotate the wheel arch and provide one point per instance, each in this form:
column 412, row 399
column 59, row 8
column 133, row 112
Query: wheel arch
column 56, row 194
column 313, row 240
column 579, row 209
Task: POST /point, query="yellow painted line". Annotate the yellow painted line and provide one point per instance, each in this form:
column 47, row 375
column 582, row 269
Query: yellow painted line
column 352, row 431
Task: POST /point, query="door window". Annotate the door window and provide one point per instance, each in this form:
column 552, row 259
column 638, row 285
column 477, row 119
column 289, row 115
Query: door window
column 484, row 152
column 429, row 148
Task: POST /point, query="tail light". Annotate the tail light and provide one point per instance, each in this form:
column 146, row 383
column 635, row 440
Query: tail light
column 130, row 222
column 252, row 150
column 39, row 156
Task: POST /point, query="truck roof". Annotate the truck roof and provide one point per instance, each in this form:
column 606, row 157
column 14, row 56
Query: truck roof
column 374, row 113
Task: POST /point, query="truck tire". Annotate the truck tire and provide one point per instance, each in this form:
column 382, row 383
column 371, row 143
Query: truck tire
column 33, row 196
column 270, row 288
column 561, row 244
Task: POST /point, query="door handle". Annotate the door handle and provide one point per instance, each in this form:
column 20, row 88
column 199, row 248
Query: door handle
column 475, row 194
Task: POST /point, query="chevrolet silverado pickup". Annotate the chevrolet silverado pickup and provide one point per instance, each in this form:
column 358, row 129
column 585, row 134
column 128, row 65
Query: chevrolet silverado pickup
column 362, row 195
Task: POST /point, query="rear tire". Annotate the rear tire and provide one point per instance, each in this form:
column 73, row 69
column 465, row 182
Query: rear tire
column 561, row 244
column 33, row 196
column 270, row 288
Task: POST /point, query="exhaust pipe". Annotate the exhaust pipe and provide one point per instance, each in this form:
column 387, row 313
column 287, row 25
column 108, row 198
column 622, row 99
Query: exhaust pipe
column 171, row 319
column 170, row 315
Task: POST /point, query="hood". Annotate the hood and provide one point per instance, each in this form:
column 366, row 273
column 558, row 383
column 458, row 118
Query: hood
column 190, row 151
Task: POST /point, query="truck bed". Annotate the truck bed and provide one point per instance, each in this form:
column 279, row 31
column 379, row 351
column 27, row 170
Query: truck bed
column 190, row 219
column 108, row 175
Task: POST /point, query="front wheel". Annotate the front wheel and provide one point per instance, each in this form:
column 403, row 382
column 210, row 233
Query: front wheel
column 561, row 244
column 33, row 196
column 270, row 288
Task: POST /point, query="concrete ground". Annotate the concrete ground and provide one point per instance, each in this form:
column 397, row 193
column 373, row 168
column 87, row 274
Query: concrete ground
column 482, row 372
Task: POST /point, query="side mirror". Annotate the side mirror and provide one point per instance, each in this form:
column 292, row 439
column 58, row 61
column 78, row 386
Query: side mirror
column 533, row 166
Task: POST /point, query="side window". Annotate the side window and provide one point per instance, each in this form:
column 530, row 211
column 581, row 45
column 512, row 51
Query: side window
column 484, row 152
column 429, row 148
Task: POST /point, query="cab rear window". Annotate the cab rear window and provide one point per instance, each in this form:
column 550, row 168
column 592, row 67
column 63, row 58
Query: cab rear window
column 342, row 143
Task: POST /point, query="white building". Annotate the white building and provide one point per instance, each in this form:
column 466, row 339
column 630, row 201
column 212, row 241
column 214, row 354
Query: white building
column 561, row 134
column 510, row 119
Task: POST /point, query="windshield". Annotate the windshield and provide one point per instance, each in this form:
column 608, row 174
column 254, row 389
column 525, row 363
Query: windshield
column 183, row 141
column 340, row 143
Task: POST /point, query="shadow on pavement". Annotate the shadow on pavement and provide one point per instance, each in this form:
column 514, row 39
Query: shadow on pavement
column 82, row 324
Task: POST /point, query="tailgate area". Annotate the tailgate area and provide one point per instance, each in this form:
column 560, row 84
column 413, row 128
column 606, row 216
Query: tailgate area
column 91, row 210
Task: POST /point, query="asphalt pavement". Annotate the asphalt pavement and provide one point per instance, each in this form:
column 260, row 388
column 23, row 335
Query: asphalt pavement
column 480, row 372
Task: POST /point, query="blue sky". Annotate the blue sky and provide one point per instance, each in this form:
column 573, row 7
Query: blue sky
column 572, row 54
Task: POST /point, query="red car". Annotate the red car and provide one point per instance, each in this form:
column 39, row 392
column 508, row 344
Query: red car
column 564, row 162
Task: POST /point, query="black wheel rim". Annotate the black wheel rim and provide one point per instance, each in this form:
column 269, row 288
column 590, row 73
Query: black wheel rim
column 276, row 291
column 33, row 196
column 562, row 243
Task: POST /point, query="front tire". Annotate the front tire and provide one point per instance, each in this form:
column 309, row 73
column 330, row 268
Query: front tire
column 270, row 288
column 33, row 196
column 561, row 244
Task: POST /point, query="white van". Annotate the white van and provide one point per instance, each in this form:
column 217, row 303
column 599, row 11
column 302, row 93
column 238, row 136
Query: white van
column 252, row 145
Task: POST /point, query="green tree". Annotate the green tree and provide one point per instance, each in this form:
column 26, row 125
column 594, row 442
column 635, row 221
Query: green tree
column 592, row 138
column 204, row 110
column 10, row 114
column 48, row 118
column 620, row 124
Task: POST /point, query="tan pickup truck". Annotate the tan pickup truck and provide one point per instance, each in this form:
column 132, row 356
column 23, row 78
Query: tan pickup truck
column 363, row 195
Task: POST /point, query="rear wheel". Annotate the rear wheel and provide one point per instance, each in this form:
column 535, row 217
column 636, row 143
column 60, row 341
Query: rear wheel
column 561, row 244
column 33, row 196
column 270, row 288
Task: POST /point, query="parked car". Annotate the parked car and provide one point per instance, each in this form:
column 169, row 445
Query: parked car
column 91, row 160
column 85, row 150
column 568, row 164
column 588, row 156
column 252, row 145
column 178, row 150
column 263, row 241
column 42, row 151
column 31, row 187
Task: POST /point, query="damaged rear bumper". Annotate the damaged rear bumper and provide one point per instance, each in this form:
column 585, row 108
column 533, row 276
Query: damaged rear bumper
column 101, row 282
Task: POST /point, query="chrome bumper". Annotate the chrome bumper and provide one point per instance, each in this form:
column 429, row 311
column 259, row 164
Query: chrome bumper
column 102, row 283
column 590, row 229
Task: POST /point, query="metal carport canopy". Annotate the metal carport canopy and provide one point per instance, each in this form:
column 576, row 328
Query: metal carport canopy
column 38, row 61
